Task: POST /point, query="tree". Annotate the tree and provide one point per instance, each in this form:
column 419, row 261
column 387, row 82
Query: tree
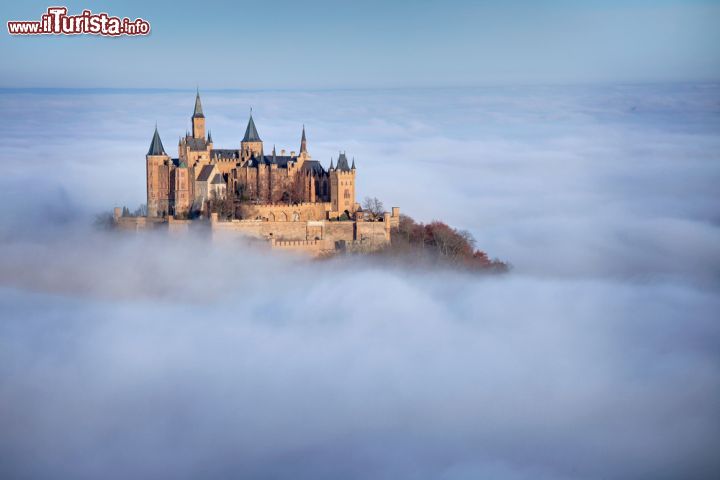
column 104, row 221
column 224, row 206
column 141, row 211
column 449, row 242
column 438, row 241
column 374, row 206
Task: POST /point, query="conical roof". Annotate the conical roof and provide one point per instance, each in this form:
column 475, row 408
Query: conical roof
column 251, row 134
column 303, row 141
column 198, row 106
column 156, row 146
column 342, row 164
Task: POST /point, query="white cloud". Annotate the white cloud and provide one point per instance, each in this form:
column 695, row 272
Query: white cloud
column 125, row 356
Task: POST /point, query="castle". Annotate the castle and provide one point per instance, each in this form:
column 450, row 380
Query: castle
column 288, row 199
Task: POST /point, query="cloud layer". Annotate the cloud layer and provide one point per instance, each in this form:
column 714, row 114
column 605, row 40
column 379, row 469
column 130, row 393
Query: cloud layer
column 156, row 357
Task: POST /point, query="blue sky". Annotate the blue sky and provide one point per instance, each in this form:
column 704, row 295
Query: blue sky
column 320, row 44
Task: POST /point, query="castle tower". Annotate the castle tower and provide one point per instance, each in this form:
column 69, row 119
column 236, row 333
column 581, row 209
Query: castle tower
column 158, row 178
column 342, row 186
column 251, row 144
column 303, row 155
column 198, row 119
column 181, row 189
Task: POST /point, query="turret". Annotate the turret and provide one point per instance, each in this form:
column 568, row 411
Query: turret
column 342, row 186
column 157, row 165
column 251, row 143
column 303, row 142
column 198, row 119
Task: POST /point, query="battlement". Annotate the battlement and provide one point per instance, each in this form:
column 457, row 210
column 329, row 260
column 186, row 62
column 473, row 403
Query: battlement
column 312, row 247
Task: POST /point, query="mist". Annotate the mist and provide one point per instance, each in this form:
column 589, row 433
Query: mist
column 155, row 356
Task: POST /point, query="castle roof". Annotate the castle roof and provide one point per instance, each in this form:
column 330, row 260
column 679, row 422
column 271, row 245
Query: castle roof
column 251, row 134
column 342, row 163
column 218, row 180
column 196, row 144
column 224, row 153
column 198, row 113
column 314, row 167
column 156, row 146
column 205, row 173
column 280, row 160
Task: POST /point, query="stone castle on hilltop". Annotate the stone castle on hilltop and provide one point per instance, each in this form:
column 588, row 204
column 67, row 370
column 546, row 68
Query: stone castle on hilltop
column 288, row 199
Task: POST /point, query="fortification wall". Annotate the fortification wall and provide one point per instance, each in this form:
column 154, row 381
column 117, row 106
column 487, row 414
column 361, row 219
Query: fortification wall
column 300, row 212
column 339, row 231
column 312, row 236
column 312, row 247
column 175, row 226
column 373, row 233
column 135, row 223
column 261, row 229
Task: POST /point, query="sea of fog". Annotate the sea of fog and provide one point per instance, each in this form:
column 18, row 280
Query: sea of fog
column 147, row 356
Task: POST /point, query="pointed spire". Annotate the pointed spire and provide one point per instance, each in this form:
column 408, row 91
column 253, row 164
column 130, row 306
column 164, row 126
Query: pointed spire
column 198, row 113
column 274, row 159
column 303, row 141
column 156, row 146
column 209, row 136
column 331, row 164
column 251, row 134
column 352, row 167
column 342, row 163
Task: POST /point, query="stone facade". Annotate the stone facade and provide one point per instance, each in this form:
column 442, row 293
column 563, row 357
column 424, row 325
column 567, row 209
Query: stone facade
column 249, row 174
column 312, row 236
column 290, row 200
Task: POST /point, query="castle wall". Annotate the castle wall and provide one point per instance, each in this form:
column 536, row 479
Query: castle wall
column 339, row 231
column 372, row 233
column 312, row 247
column 287, row 231
column 314, row 236
column 136, row 224
column 285, row 213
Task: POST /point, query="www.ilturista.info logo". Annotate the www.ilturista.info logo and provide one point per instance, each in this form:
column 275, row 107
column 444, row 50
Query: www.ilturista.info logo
column 57, row 22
